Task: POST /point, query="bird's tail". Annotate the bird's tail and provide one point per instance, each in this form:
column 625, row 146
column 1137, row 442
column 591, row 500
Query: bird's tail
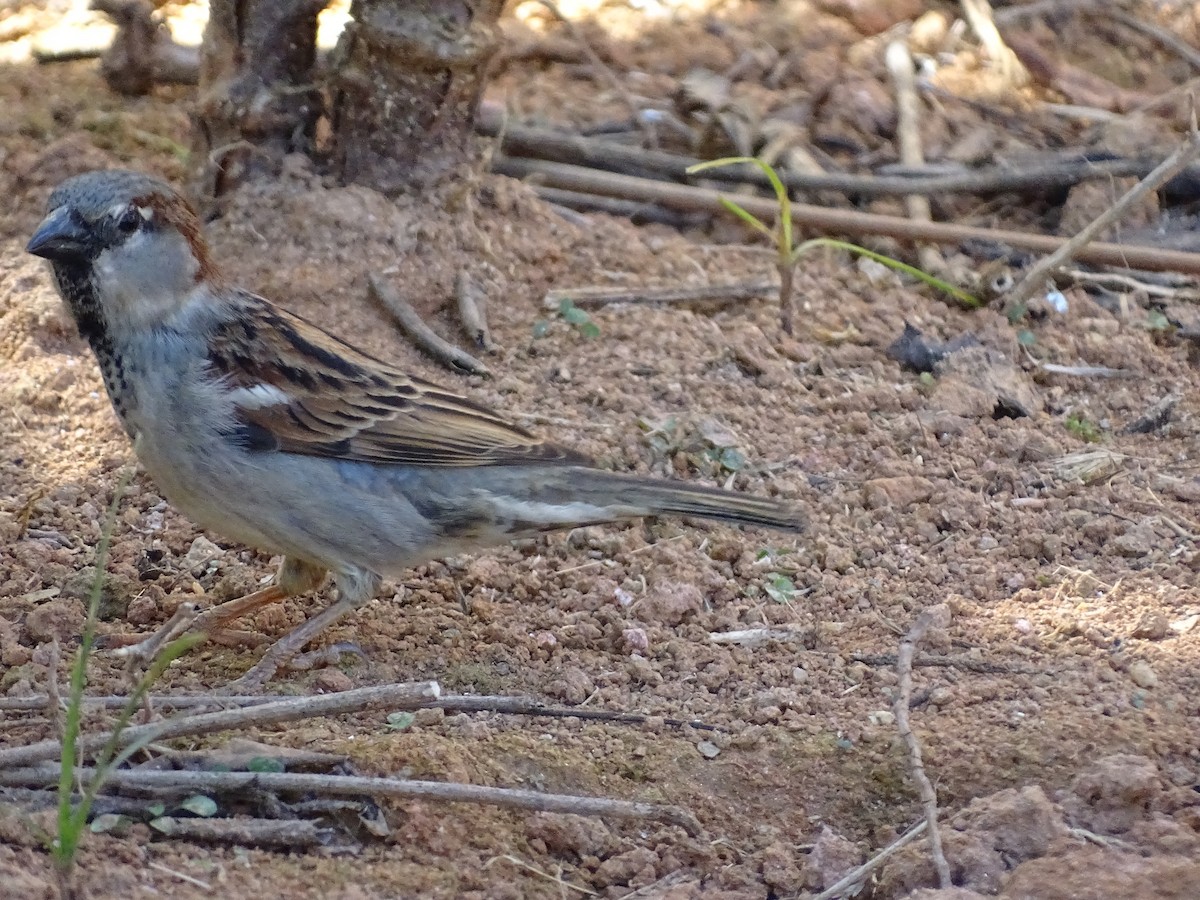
column 581, row 496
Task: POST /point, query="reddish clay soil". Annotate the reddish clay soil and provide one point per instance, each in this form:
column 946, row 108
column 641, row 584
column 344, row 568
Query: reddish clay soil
column 1061, row 734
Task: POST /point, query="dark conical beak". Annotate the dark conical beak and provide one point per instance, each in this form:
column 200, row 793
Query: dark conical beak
column 63, row 236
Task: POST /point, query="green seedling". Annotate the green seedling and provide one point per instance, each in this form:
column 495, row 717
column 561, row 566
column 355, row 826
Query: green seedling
column 573, row 316
column 1083, row 428
column 789, row 253
column 72, row 817
column 780, row 588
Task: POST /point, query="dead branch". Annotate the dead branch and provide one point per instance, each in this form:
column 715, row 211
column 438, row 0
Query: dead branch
column 360, row 787
column 933, row 617
column 966, row 663
column 424, row 337
column 979, row 16
column 908, row 138
column 597, row 153
column 1035, row 279
column 283, row 834
column 393, row 696
column 472, row 309
column 855, row 876
column 1172, row 42
column 517, row 706
column 723, row 294
column 639, row 213
column 839, row 221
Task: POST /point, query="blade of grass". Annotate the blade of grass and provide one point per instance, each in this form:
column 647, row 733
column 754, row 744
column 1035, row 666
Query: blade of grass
column 962, row 296
column 69, row 832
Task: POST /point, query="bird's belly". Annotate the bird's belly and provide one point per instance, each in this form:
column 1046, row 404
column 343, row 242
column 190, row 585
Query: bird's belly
column 339, row 515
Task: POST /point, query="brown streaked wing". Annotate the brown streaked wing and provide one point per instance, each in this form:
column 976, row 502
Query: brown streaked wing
column 346, row 404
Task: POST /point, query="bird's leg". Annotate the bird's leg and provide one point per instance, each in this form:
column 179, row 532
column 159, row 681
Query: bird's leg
column 189, row 618
column 295, row 577
column 354, row 588
column 280, row 653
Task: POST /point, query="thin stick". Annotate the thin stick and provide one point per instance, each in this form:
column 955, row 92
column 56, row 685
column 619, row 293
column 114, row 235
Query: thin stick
column 359, row 786
column 572, row 202
column 472, row 309
column 935, row 616
column 522, row 141
column 424, row 337
column 1165, row 38
column 979, row 16
column 1035, row 278
column 516, row 706
column 908, row 138
column 394, row 696
column 711, row 293
column 966, row 663
column 528, row 867
column 159, row 867
column 854, row 876
column 522, row 706
column 838, row 221
column 53, row 703
column 286, row 834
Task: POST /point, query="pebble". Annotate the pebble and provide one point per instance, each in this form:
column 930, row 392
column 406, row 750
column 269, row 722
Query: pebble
column 1143, row 676
column 708, row 749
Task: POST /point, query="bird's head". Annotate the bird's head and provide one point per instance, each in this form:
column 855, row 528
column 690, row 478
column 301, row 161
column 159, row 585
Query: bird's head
column 126, row 249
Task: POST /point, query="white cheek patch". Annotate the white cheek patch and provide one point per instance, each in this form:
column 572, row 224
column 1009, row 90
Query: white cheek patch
column 258, row 396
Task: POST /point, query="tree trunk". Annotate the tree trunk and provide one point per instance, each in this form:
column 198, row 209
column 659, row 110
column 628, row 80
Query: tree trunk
column 259, row 98
column 406, row 88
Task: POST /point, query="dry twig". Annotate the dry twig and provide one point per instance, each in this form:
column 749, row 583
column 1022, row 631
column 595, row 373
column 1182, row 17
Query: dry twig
column 838, row 221
column 284, row 834
column 933, row 617
column 521, row 141
column 393, row 696
column 979, row 16
column 424, row 337
column 1172, row 42
column 1035, row 278
column 596, row 296
column 856, row 876
column 361, row 787
column 908, row 138
column 472, row 309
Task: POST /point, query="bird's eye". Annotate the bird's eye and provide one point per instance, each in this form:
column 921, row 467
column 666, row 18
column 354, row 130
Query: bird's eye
column 130, row 220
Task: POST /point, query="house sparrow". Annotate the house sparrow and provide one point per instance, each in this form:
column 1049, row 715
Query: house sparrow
column 268, row 430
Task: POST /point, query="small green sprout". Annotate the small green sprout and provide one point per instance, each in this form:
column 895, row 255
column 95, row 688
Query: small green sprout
column 789, row 253
column 1083, row 428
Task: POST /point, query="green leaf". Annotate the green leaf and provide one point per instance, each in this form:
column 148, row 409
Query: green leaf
column 199, row 805
column 1026, row 338
column 110, row 823
column 398, row 721
column 748, row 217
column 590, row 330
column 156, row 809
column 576, row 316
column 780, row 588
column 968, row 300
column 732, row 459
column 1156, row 321
column 265, row 764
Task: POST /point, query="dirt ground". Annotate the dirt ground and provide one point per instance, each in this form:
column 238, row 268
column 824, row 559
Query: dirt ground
column 1062, row 733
